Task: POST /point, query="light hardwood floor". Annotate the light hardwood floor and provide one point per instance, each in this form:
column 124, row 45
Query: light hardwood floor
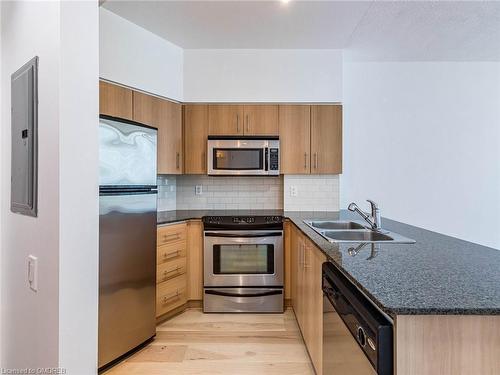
column 197, row 343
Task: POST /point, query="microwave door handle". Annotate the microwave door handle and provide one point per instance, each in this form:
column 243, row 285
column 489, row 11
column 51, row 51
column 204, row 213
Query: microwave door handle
column 266, row 158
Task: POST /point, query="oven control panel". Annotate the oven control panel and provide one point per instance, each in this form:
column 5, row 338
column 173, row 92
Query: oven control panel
column 236, row 222
column 273, row 219
column 243, row 220
column 212, row 219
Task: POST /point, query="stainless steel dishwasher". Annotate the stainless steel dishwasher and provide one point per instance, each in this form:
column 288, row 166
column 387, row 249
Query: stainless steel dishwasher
column 357, row 337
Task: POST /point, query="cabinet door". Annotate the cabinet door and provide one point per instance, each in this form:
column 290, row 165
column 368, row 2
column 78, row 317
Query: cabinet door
column 261, row 120
column 313, row 334
column 195, row 138
column 166, row 116
column 115, row 100
column 300, row 287
column 294, row 266
column 287, row 239
column 295, row 139
column 326, row 139
column 195, row 259
column 225, row 119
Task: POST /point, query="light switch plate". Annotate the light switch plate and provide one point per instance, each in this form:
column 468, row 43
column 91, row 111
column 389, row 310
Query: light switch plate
column 33, row 272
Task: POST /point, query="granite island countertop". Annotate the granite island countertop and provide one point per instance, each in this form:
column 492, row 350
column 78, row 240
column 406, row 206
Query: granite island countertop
column 436, row 275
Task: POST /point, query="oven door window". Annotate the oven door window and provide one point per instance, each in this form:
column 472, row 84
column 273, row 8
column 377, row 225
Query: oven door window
column 238, row 159
column 243, row 259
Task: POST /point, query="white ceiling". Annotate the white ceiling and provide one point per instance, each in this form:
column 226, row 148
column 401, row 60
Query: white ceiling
column 367, row 30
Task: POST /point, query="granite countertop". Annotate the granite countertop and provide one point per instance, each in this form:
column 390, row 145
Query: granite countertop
column 436, row 275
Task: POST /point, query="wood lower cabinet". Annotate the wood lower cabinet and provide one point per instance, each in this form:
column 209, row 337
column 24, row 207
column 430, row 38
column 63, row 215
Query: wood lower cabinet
column 313, row 310
column 171, row 269
column 195, row 138
column 225, row 119
column 307, row 295
column 115, row 101
column 260, row 119
column 171, row 294
column 195, row 259
column 326, row 139
column 166, row 116
column 295, row 139
column 179, row 270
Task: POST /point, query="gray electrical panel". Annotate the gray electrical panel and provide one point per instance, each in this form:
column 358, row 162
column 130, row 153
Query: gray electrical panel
column 24, row 118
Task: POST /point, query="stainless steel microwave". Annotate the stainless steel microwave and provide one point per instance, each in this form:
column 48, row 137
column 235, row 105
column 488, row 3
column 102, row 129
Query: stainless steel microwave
column 243, row 156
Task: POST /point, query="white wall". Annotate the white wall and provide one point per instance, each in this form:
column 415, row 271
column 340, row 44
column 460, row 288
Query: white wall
column 262, row 75
column 56, row 326
column 30, row 321
column 423, row 140
column 78, row 187
column 133, row 56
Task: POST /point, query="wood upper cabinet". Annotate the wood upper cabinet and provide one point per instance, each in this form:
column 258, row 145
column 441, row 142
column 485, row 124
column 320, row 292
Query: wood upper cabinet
column 326, row 139
column 225, row 119
column 166, row 116
column 295, row 139
column 235, row 119
column 115, row 101
column 195, row 138
column 260, row 119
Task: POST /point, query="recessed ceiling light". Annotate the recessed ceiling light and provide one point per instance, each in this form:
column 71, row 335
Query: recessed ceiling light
column 285, row 1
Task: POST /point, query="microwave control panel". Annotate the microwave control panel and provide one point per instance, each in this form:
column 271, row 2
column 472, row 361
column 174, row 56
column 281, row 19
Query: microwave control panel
column 273, row 159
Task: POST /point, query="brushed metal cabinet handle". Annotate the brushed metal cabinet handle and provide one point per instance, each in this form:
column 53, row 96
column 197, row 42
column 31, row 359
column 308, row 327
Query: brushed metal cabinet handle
column 305, row 160
column 248, row 126
column 237, row 123
column 315, row 160
column 173, row 254
column 177, row 159
column 175, row 295
column 173, row 235
column 166, row 273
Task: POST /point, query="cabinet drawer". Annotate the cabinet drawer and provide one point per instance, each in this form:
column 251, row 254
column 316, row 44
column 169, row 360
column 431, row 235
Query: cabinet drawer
column 171, row 294
column 171, row 269
column 170, row 234
column 170, row 252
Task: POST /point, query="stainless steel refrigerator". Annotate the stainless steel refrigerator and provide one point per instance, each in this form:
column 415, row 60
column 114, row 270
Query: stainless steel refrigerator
column 127, row 236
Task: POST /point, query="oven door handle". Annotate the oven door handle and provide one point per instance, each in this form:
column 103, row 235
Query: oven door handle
column 249, row 235
column 229, row 294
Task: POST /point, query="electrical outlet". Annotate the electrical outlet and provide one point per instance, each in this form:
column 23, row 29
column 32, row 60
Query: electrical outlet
column 198, row 190
column 172, row 188
column 293, row 191
column 33, row 272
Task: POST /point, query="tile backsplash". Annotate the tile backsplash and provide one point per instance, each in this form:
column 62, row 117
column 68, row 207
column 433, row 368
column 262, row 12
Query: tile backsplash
column 229, row 192
column 313, row 192
column 166, row 192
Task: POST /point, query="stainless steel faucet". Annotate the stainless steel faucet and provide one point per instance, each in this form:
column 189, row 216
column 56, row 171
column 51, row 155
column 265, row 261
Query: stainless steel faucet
column 374, row 219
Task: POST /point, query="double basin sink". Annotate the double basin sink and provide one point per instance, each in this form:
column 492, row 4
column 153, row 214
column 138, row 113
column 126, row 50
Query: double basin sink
column 351, row 231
